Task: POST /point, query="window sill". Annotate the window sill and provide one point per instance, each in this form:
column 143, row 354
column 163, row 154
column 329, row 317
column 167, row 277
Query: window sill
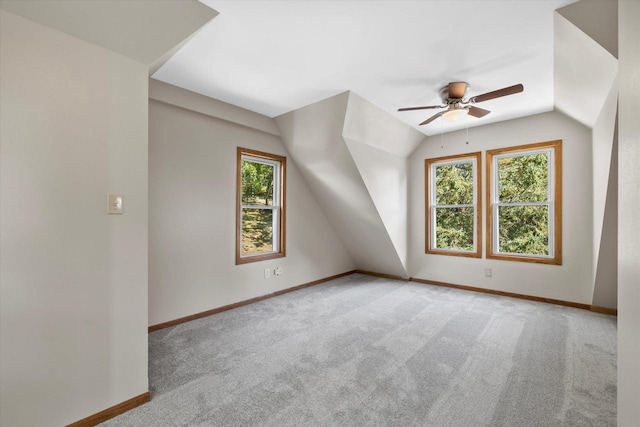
column 551, row 261
column 257, row 258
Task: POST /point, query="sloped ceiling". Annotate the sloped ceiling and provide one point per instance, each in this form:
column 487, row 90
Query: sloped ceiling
column 598, row 19
column 583, row 74
column 278, row 58
column 273, row 57
column 142, row 30
column 348, row 175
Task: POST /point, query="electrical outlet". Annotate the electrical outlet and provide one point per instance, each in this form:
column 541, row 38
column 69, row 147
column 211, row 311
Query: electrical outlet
column 487, row 272
column 278, row 271
column 267, row 273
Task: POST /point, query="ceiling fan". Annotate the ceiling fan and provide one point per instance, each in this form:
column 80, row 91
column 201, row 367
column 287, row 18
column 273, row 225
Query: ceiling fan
column 456, row 105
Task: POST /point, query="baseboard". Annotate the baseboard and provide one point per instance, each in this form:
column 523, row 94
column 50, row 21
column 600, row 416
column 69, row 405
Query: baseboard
column 245, row 302
column 113, row 411
column 604, row 310
column 386, row 276
column 505, row 294
column 595, row 308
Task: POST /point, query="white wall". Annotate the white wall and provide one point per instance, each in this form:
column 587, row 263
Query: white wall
column 602, row 137
column 605, row 287
column 314, row 135
column 572, row 281
column 385, row 176
column 192, row 205
column 628, row 208
column 605, row 203
column 380, row 145
column 73, row 285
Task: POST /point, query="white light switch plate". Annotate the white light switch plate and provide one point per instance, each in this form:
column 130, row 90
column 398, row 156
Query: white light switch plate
column 114, row 204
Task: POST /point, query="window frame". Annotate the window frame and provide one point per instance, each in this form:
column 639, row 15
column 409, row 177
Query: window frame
column 278, row 204
column 554, row 201
column 431, row 206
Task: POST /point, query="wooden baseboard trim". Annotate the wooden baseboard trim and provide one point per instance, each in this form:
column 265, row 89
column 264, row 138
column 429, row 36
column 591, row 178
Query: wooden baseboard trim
column 505, row 294
column 245, row 302
column 386, row 276
column 604, row 310
column 113, row 411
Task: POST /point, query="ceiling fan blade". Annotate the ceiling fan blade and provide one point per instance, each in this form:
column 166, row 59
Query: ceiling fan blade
column 421, row 108
column 478, row 112
column 498, row 93
column 432, row 118
column 457, row 90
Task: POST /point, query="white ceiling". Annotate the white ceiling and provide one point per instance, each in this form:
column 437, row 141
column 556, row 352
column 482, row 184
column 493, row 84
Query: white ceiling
column 272, row 57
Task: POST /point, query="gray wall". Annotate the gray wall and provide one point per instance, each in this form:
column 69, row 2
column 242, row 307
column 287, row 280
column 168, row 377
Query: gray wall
column 573, row 280
column 628, row 208
column 74, row 280
column 192, row 206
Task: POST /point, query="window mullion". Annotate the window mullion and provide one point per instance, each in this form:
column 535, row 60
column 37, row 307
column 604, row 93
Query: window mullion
column 523, row 204
column 257, row 206
column 469, row 205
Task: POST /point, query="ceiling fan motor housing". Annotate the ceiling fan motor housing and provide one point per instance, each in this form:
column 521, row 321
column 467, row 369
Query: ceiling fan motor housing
column 453, row 99
column 445, row 96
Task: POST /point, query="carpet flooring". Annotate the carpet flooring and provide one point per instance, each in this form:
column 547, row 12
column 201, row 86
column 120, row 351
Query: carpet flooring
column 367, row 351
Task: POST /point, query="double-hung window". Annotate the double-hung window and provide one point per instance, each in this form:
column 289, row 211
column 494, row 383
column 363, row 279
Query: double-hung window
column 524, row 190
column 261, row 189
column 453, row 205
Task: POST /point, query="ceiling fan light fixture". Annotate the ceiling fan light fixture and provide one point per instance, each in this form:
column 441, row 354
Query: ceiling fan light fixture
column 455, row 113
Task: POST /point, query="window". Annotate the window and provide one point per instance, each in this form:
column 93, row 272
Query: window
column 261, row 189
column 524, row 190
column 453, row 205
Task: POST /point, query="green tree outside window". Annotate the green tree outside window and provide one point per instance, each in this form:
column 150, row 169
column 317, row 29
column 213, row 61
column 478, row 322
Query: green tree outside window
column 261, row 221
column 453, row 211
column 525, row 203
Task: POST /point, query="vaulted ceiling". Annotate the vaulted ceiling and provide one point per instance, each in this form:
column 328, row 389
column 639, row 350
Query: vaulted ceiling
column 333, row 74
column 273, row 57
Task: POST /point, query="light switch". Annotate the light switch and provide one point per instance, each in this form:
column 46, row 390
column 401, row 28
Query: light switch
column 114, row 204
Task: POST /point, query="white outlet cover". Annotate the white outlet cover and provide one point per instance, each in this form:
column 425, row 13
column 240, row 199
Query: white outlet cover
column 114, row 204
